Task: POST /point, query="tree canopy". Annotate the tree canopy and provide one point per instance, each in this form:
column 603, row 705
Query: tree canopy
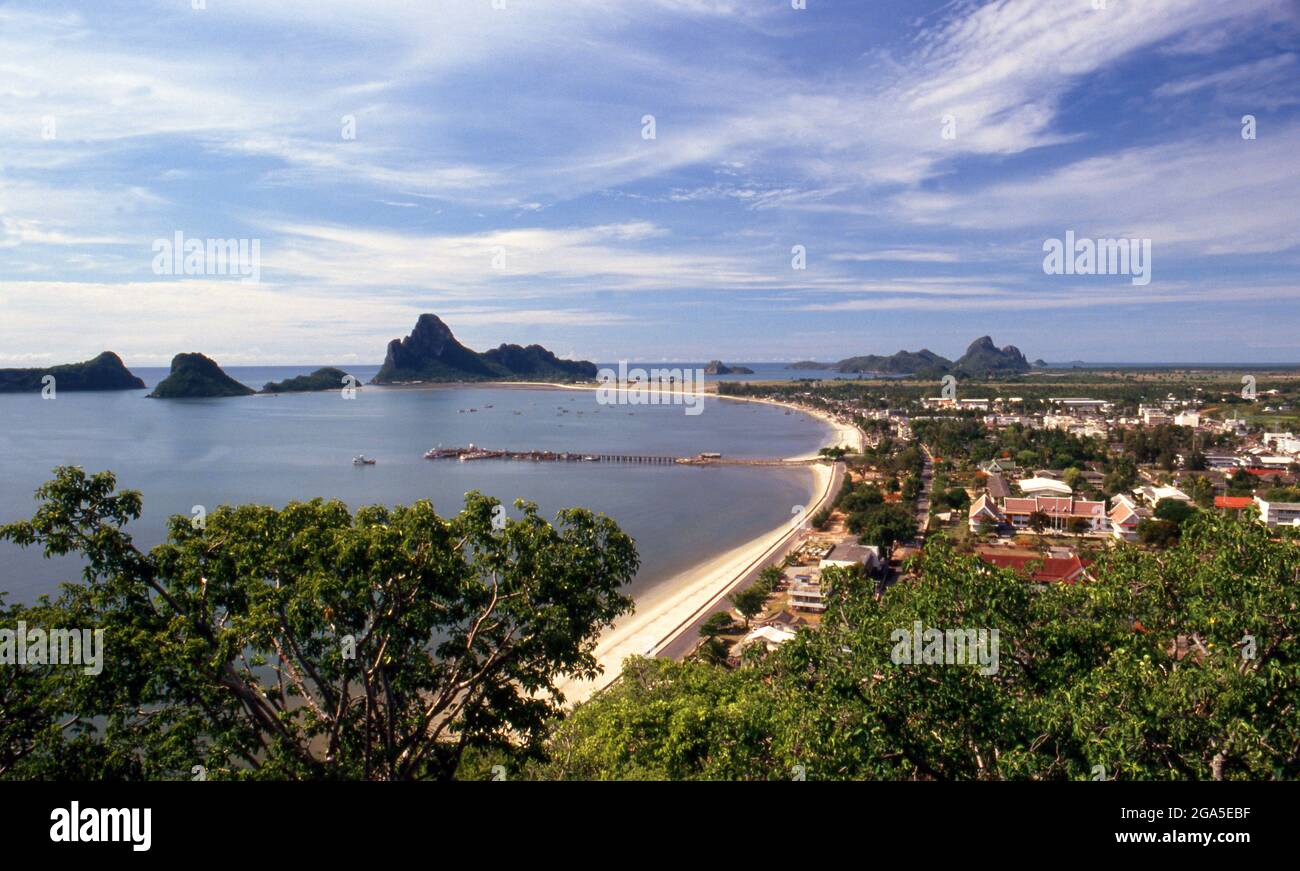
column 306, row 641
column 1178, row 665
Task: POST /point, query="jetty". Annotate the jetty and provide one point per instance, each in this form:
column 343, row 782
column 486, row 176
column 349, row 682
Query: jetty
column 473, row 452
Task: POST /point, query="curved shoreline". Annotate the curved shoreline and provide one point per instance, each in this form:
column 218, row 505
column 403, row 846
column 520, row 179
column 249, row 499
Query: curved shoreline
column 662, row 616
column 659, row 620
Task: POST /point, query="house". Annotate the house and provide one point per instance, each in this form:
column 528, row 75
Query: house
column 984, row 512
column 1152, row 494
column 1271, row 463
column 846, row 554
column 1036, row 567
column 997, row 487
column 1278, row 513
column 1187, row 418
column 997, row 467
column 805, row 591
column 1233, row 503
column 1060, row 512
column 1124, row 517
column 769, row 636
column 1043, row 487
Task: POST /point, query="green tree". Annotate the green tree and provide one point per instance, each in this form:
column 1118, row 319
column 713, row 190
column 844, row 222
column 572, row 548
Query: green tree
column 1087, row 674
column 308, row 642
column 717, row 624
column 749, row 602
column 769, row 579
column 1202, row 491
column 713, row 651
column 884, row 526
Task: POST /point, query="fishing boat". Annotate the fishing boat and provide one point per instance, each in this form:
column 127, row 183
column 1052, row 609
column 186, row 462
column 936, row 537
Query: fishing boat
column 362, row 460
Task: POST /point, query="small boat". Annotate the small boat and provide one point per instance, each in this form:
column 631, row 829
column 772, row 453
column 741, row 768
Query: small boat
column 362, row 460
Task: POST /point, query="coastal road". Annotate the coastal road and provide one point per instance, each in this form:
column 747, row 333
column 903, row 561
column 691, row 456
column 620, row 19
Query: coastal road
column 684, row 639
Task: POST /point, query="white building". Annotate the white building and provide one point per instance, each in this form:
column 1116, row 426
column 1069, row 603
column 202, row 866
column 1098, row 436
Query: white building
column 1278, row 513
column 1152, row 494
column 1187, row 418
column 1044, row 487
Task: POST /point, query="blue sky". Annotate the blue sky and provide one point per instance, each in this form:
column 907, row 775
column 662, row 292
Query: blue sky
column 499, row 176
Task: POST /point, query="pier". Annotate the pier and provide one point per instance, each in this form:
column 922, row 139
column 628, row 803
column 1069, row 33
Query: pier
column 473, row 453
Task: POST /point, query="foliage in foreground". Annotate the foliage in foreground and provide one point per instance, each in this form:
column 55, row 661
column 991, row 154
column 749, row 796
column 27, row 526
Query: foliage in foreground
column 1183, row 664
column 305, row 642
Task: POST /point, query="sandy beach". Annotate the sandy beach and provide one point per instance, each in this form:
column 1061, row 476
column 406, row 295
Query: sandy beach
column 661, row 615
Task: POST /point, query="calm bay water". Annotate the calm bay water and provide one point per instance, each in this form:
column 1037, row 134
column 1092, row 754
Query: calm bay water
column 275, row 449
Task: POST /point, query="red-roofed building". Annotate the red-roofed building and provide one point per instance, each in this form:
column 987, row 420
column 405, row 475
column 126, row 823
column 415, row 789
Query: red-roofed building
column 1061, row 510
column 1233, row 503
column 1037, row 568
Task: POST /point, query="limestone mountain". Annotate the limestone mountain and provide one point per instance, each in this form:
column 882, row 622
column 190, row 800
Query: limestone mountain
column 984, row 358
column 919, row 362
column 431, row 353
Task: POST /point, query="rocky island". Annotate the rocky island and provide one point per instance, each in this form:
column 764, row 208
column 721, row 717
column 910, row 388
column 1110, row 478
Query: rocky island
column 432, row 354
column 105, row 372
column 196, row 376
column 327, row 378
column 717, row 367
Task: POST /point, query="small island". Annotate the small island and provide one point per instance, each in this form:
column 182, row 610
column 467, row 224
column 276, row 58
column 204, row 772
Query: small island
column 717, row 367
column 105, row 372
column 195, row 376
column 326, row 378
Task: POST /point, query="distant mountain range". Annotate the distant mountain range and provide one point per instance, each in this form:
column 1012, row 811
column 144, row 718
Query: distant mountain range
column 431, row 353
column 981, row 359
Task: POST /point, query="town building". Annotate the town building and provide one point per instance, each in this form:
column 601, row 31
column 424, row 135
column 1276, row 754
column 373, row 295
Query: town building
column 1278, row 513
column 1152, row 494
column 1080, row 404
column 1061, row 512
column 1038, row 486
column 1065, row 567
column 1233, row 503
column 1124, row 517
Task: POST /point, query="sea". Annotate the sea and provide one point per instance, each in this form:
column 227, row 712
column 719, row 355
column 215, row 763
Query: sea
column 274, row 449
